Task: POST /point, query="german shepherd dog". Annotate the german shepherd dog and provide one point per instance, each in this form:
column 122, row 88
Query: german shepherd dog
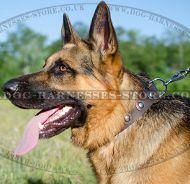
column 153, row 150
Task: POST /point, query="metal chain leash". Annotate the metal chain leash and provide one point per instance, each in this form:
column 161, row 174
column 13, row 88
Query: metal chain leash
column 177, row 76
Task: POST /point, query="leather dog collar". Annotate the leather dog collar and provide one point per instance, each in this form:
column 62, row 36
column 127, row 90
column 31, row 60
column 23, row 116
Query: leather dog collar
column 150, row 96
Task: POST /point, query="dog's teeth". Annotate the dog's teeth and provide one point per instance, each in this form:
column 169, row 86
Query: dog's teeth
column 51, row 119
column 55, row 117
column 62, row 113
column 66, row 109
column 40, row 126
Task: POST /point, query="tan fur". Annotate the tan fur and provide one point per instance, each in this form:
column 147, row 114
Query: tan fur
column 153, row 150
column 152, row 142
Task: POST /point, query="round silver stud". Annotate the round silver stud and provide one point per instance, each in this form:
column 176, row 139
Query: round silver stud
column 140, row 105
column 151, row 94
column 127, row 118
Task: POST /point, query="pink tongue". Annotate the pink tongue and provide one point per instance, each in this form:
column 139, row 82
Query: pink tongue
column 31, row 133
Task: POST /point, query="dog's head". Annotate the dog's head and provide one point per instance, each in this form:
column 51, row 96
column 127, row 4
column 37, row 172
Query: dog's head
column 65, row 87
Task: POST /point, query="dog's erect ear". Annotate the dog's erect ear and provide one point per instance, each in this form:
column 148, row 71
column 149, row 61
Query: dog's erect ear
column 67, row 32
column 102, row 34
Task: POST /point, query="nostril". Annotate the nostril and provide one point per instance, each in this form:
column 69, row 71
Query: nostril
column 10, row 86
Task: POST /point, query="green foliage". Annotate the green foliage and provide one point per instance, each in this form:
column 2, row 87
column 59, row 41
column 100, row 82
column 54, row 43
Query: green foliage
column 24, row 51
column 156, row 58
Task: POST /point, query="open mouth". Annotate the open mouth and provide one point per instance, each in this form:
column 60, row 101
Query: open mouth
column 48, row 123
column 61, row 119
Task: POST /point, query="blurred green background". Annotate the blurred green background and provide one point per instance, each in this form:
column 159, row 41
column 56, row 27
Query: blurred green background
column 25, row 50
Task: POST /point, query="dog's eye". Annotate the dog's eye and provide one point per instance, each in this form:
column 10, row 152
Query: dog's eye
column 62, row 68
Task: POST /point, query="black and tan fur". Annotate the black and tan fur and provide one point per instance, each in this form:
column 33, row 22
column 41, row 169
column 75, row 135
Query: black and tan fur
column 154, row 150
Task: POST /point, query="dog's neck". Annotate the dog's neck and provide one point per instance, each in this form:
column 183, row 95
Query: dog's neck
column 110, row 115
column 115, row 120
column 140, row 144
column 143, row 142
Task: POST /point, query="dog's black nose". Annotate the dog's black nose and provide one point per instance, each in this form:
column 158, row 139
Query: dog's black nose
column 11, row 86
